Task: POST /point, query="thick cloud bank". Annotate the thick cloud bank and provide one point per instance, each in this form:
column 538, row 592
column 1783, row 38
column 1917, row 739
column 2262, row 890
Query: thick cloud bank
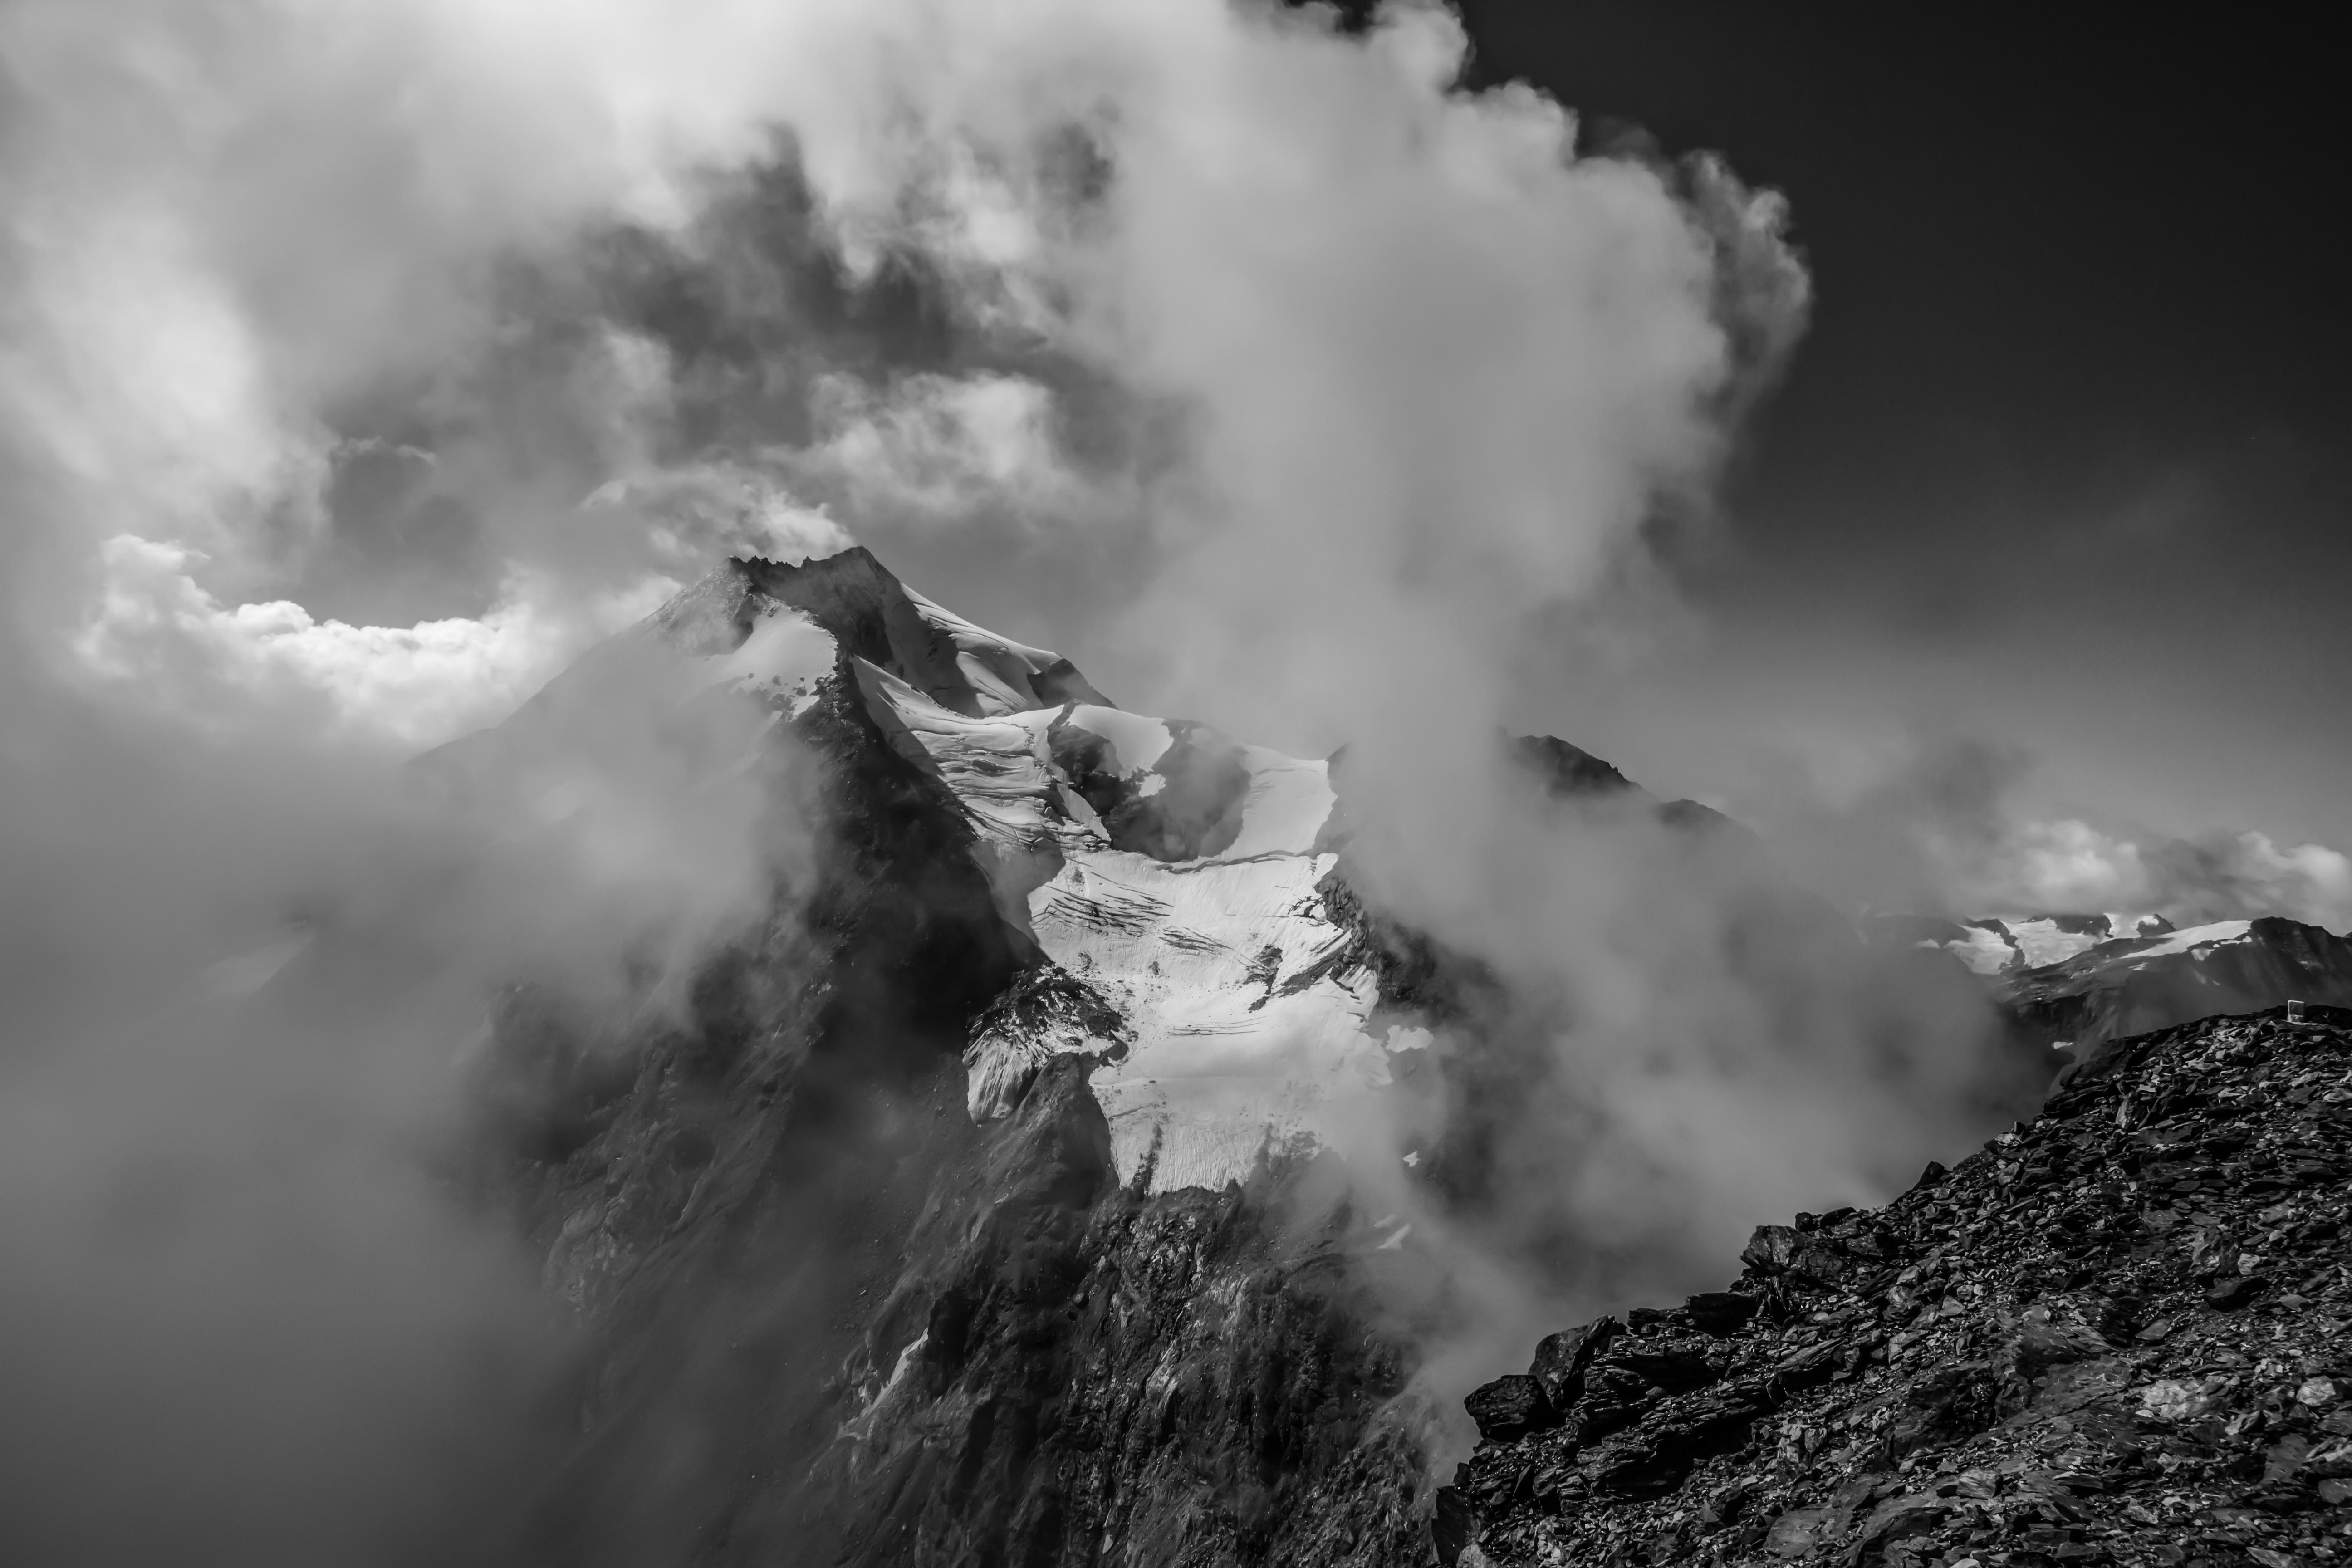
column 2067, row 863
column 365, row 361
column 325, row 320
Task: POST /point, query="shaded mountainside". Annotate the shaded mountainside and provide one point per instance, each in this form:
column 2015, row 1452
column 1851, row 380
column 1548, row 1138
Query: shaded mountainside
column 2121, row 1333
column 833, row 1314
column 971, row 1209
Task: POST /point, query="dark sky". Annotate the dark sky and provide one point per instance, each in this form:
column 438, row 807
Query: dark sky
column 2061, row 463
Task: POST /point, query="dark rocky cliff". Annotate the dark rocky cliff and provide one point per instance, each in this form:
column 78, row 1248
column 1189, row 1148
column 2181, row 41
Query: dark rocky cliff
column 2121, row 1333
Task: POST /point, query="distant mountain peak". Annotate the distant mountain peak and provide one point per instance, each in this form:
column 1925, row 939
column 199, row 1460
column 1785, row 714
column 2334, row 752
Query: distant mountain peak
column 1995, row 945
column 2082, row 978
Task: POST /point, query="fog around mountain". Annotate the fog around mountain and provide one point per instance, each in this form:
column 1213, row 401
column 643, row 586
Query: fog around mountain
column 372, row 372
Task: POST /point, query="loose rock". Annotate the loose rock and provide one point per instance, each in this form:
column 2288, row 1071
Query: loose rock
column 2121, row 1334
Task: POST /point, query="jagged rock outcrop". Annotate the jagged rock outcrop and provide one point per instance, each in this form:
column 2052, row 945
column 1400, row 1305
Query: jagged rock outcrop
column 2121, row 1333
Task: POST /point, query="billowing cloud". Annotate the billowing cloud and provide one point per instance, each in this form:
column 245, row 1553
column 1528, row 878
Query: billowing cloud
column 365, row 360
column 1266, row 305
column 1949, row 826
column 942, row 447
column 155, row 631
column 2068, row 865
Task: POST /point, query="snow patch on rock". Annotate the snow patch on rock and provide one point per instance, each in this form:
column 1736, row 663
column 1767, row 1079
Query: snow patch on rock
column 1236, row 1047
column 2195, row 937
column 1003, row 674
column 1168, row 874
column 1983, row 950
column 1237, row 1040
column 2035, row 942
column 2049, row 940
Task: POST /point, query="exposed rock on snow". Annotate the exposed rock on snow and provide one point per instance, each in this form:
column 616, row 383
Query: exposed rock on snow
column 846, row 1298
column 1170, row 871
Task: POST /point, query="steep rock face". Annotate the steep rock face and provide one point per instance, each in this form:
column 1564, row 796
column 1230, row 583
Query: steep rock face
column 723, row 1194
column 2118, row 1334
column 1164, row 1378
column 863, row 1271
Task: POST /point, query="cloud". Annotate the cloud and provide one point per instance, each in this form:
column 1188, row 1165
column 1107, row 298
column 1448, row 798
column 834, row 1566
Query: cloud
column 2062, row 865
column 942, row 447
column 1339, row 403
column 283, row 289
column 1442, row 372
column 156, row 631
column 1900, row 823
column 2068, row 865
column 1348, row 396
column 1209, row 288
column 2247, row 874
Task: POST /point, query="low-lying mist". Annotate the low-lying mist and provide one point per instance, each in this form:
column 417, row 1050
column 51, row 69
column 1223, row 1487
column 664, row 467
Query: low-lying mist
column 258, row 1311
column 1650, row 1037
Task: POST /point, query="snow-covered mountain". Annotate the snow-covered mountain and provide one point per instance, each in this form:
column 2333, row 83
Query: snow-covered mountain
column 1168, row 871
column 941, row 1227
column 2134, row 984
column 2018, row 942
column 973, row 1210
column 2083, row 978
column 967, row 1207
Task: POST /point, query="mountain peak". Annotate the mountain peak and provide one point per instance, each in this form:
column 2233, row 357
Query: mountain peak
column 872, row 615
column 1171, row 874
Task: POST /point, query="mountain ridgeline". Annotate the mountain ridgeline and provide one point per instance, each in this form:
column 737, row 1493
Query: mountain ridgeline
column 921, row 1234
column 870, row 1270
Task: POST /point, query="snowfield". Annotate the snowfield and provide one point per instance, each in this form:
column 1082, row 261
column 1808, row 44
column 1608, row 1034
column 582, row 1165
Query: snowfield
column 1167, row 871
column 2034, row 942
column 1984, row 952
column 1242, row 1039
column 2195, row 937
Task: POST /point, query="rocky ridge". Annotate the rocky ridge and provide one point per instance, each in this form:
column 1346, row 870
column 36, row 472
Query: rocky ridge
column 860, row 1275
column 2119, row 1333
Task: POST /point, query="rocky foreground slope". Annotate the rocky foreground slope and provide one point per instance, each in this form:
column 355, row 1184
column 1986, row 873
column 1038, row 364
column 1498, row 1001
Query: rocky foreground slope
column 2121, row 1333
